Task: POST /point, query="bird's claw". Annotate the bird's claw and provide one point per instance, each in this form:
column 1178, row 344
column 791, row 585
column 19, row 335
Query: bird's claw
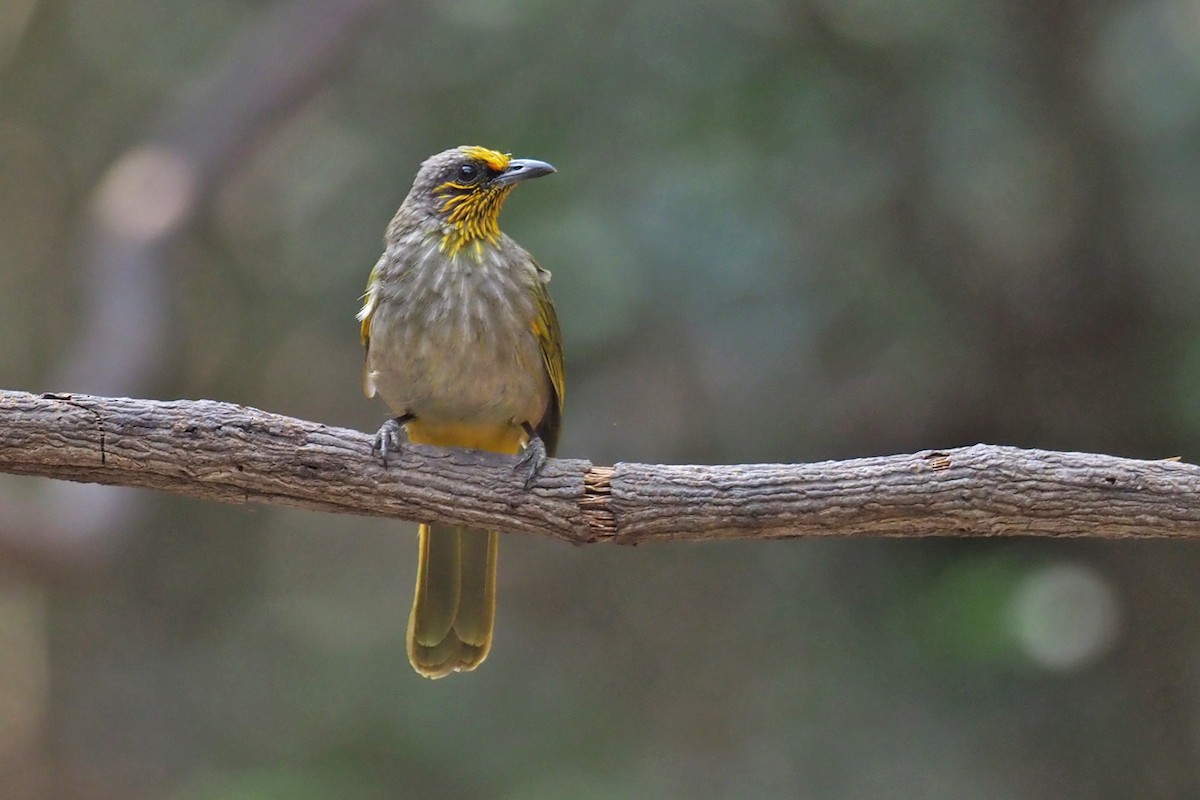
column 390, row 440
column 532, row 459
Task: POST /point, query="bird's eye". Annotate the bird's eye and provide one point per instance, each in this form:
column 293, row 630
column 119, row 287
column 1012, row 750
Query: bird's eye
column 467, row 173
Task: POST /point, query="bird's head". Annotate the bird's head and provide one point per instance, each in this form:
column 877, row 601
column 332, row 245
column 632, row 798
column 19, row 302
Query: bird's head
column 464, row 189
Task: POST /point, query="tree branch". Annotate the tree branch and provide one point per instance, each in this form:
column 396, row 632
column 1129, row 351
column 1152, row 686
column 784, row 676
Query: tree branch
column 150, row 196
column 234, row 454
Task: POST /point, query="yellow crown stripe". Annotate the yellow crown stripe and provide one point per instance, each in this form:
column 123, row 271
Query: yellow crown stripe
column 495, row 160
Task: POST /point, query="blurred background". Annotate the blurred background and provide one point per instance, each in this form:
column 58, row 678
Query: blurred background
column 779, row 232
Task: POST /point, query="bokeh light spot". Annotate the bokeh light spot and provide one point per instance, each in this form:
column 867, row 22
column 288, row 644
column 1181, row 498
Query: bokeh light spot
column 1065, row 616
column 146, row 193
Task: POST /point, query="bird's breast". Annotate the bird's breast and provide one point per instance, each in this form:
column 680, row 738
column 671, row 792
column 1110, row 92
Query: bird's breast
column 451, row 337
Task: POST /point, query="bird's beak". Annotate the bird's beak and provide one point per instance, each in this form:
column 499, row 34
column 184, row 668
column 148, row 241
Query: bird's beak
column 522, row 169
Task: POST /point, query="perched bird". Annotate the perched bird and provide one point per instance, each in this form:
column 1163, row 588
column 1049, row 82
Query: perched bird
column 463, row 344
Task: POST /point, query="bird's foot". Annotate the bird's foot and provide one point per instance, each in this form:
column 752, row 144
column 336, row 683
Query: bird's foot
column 532, row 459
column 390, row 440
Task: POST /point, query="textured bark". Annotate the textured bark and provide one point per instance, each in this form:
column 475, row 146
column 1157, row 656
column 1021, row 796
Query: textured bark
column 234, row 454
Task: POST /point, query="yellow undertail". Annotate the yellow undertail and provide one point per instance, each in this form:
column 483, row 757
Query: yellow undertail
column 450, row 628
column 454, row 608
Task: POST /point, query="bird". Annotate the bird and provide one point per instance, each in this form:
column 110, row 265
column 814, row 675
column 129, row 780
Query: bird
column 463, row 343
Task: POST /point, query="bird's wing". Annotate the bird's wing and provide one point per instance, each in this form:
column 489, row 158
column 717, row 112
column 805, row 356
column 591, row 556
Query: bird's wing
column 370, row 300
column 545, row 328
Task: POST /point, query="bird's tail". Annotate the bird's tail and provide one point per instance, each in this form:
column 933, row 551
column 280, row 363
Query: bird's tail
column 450, row 628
